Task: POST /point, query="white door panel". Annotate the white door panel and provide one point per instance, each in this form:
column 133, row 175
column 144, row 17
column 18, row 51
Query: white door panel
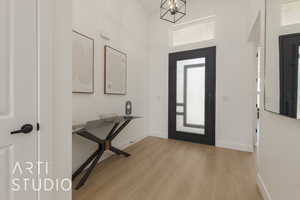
column 18, row 93
column 4, row 59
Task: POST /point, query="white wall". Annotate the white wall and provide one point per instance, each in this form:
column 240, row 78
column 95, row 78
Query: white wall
column 279, row 150
column 278, row 156
column 126, row 24
column 236, row 71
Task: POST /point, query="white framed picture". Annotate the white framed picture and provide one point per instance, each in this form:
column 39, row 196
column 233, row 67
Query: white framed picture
column 115, row 80
column 83, row 63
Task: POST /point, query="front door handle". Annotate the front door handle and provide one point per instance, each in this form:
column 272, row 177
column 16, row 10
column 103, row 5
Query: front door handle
column 27, row 128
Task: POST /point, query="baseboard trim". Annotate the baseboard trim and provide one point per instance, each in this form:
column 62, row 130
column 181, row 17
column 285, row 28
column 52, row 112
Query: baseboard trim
column 159, row 134
column 220, row 143
column 131, row 142
column 263, row 189
column 235, row 146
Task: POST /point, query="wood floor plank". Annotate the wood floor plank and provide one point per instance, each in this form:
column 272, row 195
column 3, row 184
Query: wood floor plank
column 161, row 169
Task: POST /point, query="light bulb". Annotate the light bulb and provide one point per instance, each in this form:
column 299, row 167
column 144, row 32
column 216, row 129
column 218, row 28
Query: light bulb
column 173, row 6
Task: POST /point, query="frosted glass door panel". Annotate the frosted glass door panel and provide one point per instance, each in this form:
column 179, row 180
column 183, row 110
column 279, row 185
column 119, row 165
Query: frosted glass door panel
column 179, row 109
column 190, row 96
column 180, row 75
column 182, row 128
column 195, row 93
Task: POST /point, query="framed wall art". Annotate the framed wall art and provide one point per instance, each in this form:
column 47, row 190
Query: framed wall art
column 83, row 63
column 115, row 80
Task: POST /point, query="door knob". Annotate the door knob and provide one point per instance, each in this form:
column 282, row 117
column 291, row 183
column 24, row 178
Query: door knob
column 27, row 128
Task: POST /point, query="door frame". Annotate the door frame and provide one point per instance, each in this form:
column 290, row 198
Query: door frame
column 210, row 97
column 54, row 51
column 45, row 12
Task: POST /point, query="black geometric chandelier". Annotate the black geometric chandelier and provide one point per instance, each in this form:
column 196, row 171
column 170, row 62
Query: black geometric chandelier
column 172, row 10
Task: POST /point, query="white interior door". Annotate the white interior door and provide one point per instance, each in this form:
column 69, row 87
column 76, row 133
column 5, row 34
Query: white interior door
column 18, row 97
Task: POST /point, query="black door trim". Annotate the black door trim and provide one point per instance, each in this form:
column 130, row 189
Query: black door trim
column 210, row 93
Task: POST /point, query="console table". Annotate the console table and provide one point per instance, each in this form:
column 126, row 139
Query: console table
column 104, row 140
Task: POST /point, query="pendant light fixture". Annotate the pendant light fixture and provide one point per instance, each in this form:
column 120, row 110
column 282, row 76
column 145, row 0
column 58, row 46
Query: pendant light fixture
column 172, row 10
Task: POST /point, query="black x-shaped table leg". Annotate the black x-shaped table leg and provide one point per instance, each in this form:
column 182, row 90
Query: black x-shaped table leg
column 103, row 145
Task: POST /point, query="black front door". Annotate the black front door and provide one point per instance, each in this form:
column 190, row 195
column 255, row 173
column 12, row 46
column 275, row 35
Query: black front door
column 192, row 80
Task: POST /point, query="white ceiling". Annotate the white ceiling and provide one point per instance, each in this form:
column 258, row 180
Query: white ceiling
column 151, row 6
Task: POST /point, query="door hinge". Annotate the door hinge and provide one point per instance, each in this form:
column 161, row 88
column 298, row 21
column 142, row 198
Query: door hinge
column 38, row 126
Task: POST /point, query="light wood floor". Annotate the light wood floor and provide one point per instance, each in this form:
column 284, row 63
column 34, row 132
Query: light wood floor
column 161, row 169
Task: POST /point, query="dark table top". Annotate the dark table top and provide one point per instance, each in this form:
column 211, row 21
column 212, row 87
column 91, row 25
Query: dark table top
column 101, row 127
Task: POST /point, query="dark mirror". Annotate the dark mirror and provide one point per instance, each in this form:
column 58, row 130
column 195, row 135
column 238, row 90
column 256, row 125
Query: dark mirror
column 282, row 83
